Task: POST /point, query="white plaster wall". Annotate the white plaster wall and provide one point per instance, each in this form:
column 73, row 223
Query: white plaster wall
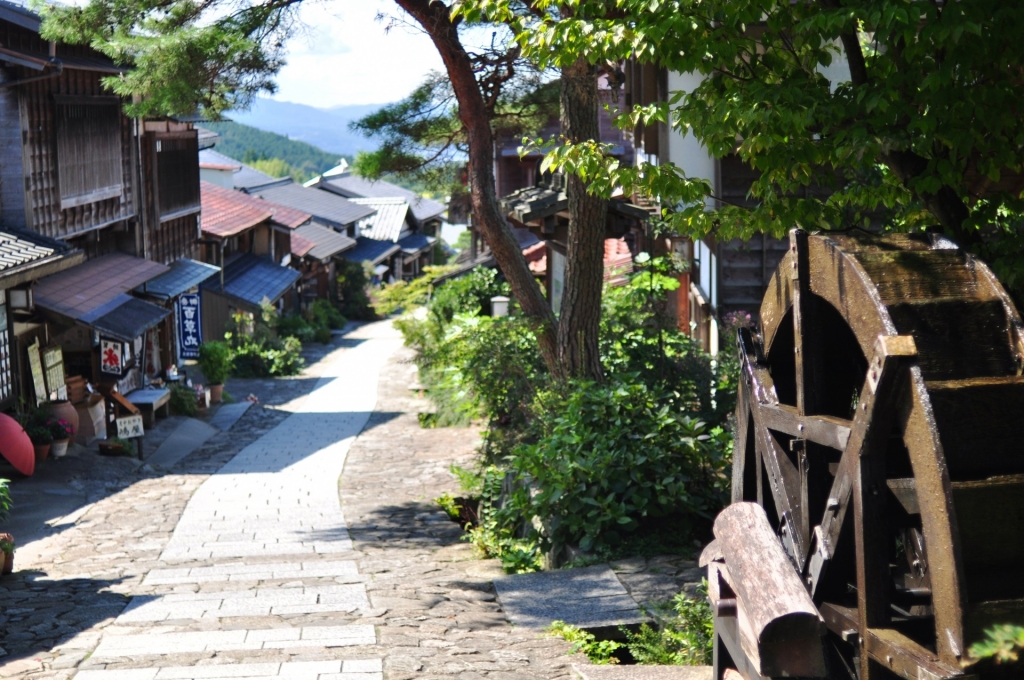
column 684, row 150
column 222, row 178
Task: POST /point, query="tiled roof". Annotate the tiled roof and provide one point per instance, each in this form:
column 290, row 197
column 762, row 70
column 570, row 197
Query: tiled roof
column 369, row 249
column 19, row 248
column 88, row 290
column 354, row 186
column 208, row 158
column 327, row 242
column 249, row 279
column 300, row 247
column 227, row 212
column 130, row 319
column 325, row 206
column 388, row 222
column 416, row 243
column 184, row 274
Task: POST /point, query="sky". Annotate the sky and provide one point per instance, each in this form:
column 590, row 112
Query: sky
column 344, row 56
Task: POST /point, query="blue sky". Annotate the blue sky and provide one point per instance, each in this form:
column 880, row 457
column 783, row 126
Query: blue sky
column 345, row 56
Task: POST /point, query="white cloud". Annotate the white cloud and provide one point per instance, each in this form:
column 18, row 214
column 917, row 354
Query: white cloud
column 345, row 56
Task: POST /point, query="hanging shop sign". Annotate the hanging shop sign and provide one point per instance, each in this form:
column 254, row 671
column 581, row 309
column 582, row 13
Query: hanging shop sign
column 190, row 334
column 112, row 356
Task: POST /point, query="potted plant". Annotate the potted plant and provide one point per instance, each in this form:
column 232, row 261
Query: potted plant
column 62, row 409
column 117, row 447
column 215, row 362
column 6, row 540
column 42, row 438
column 62, row 431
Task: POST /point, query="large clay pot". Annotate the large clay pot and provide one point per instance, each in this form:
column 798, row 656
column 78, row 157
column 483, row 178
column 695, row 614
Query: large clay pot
column 59, row 448
column 63, row 410
column 42, row 451
column 216, row 393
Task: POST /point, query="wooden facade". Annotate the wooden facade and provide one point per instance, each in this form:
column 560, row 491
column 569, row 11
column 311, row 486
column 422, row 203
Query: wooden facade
column 52, row 183
column 170, row 164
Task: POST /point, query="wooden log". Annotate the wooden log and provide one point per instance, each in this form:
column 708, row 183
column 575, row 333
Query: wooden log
column 779, row 627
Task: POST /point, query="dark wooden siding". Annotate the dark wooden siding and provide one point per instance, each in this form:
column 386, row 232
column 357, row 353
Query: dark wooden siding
column 12, row 186
column 38, row 149
column 88, row 149
column 174, row 239
column 177, row 173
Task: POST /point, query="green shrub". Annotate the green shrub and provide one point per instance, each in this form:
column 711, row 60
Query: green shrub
column 296, row 326
column 610, row 456
column 352, row 297
column 1002, row 644
column 257, row 349
column 684, row 633
column 215, row 361
column 601, row 652
column 470, row 294
column 324, row 315
column 184, row 401
column 494, row 536
column 407, row 295
column 5, row 499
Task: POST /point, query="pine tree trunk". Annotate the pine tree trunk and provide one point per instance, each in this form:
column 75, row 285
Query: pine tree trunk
column 435, row 18
column 579, row 323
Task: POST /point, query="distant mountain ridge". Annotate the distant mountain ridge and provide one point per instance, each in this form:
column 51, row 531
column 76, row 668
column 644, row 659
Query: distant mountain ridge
column 325, row 129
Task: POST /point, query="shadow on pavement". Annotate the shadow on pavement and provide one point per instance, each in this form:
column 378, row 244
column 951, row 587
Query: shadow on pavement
column 37, row 614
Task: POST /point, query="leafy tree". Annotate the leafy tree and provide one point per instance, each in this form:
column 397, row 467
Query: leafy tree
column 920, row 134
column 218, row 55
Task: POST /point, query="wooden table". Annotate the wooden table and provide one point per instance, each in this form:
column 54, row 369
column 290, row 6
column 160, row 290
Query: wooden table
column 150, row 401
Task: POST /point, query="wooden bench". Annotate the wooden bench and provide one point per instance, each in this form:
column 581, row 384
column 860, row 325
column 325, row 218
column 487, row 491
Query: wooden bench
column 151, row 401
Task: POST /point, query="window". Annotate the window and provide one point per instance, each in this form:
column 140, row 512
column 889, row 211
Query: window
column 177, row 174
column 88, row 149
column 6, row 372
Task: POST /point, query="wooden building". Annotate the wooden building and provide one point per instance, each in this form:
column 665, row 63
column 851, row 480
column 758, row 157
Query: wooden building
column 112, row 200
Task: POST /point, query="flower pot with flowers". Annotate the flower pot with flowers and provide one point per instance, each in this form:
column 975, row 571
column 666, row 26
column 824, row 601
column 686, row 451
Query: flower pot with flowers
column 6, row 540
column 215, row 361
column 62, row 431
column 42, row 439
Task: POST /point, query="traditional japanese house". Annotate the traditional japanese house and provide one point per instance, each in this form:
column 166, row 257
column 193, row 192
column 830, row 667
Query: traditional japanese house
column 543, row 209
column 329, row 209
column 393, row 222
column 315, row 251
column 224, row 171
column 120, row 193
column 250, row 239
column 24, row 258
column 427, row 214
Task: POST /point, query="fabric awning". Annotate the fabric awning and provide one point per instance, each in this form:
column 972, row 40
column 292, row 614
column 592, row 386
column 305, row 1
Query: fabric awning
column 91, row 289
column 129, row 319
column 183, row 275
column 250, row 279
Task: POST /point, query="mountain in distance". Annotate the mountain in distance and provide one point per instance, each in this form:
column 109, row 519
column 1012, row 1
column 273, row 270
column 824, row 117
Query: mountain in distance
column 326, row 129
column 250, row 145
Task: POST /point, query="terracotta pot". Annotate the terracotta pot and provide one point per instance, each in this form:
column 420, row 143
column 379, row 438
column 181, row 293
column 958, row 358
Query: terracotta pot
column 63, row 410
column 216, row 393
column 42, row 451
column 8, row 563
column 59, row 448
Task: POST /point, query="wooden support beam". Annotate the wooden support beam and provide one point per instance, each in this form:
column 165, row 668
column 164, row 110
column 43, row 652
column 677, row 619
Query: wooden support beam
column 825, row 430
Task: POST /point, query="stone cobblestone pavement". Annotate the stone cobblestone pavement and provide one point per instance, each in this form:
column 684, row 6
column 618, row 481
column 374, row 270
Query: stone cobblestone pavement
column 241, row 563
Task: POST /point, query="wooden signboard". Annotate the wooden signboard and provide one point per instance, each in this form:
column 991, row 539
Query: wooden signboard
column 129, row 427
column 53, row 367
column 36, row 366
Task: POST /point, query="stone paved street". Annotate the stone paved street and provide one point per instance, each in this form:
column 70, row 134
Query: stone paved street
column 258, row 571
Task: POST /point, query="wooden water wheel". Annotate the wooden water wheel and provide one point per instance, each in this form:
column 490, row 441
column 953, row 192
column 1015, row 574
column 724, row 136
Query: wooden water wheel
column 880, row 427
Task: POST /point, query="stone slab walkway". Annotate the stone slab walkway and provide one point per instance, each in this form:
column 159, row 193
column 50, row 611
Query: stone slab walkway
column 592, row 597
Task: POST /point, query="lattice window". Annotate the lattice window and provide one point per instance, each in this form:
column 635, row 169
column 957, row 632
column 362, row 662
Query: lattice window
column 6, row 370
column 177, row 171
column 88, row 149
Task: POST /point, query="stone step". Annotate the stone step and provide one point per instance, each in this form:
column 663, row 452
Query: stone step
column 349, row 669
column 591, row 672
column 158, row 644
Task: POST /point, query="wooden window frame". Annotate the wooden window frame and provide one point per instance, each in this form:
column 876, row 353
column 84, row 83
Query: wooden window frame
column 69, row 141
column 174, row 212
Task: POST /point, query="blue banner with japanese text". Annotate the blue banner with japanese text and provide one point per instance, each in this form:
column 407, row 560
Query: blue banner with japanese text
column 190, row 333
